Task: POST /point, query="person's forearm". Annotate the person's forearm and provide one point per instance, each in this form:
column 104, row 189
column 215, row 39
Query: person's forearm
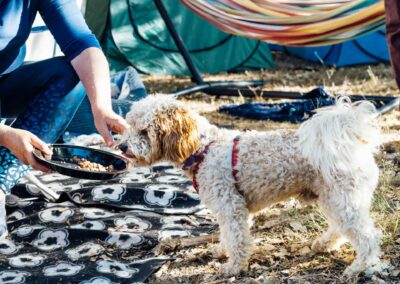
column 92, row 68
column 3, row 134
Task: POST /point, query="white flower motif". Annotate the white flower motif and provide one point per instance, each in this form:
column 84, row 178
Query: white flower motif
column 73, row 186
column 177, row 222
column 13, row 276
column 112, row 192
column 77, row 197
column 90, row 225
column 13, row 200
column 161, row 198
column 49, row 239
column 163, row 187
column 119, row 269
column 171, row 179
column 97, row 280
column 163, row 165
column 26, row 260
column 172, row 234
column 16, row 215
column 136, row 175
column 32, row 189
column 53, row 177
column 63, row 269
column 56, row 187
column 134, row 179
column 8, row 247
column 84, row 250
column 175, row 171
column 124, row 240
column 95, row 213
column 62, row 204
column 26, row 230
column 55, row 214
column 131, row 224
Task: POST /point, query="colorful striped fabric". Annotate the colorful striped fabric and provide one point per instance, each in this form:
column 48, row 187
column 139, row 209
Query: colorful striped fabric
column 293, row 22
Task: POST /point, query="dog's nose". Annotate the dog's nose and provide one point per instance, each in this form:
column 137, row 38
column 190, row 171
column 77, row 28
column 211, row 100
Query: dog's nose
column 123, row 147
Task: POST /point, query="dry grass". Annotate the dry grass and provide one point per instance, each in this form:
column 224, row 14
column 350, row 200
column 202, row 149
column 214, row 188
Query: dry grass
column 284, row 233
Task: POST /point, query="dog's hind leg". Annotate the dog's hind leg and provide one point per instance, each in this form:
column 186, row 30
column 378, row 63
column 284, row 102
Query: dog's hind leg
column 232, row 216
column 330, row 240
column 3, row 221
column 348, row 206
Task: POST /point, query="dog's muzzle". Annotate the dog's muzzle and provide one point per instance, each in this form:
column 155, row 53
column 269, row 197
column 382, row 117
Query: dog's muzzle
column 123, row 147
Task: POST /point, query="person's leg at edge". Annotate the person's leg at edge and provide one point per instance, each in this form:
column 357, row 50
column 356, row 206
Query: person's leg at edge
column 392, row 9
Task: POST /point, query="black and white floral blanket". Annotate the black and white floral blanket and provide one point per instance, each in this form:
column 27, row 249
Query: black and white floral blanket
column 98, row 231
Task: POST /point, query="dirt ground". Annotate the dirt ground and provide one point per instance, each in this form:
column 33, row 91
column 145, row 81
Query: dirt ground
column 283, row 233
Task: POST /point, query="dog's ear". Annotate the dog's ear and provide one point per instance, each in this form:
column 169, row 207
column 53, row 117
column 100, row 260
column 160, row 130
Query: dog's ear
column 179, row 134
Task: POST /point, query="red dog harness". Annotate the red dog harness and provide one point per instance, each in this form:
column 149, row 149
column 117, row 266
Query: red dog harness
column 197, row 158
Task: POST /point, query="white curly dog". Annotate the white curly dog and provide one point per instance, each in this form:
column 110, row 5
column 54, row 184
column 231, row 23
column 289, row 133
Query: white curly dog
column 330, row 158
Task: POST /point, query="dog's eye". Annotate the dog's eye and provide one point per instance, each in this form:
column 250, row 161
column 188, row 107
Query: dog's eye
column 143, row 132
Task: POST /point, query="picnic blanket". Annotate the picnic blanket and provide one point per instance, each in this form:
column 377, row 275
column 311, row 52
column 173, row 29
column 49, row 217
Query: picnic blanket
column 98, row 231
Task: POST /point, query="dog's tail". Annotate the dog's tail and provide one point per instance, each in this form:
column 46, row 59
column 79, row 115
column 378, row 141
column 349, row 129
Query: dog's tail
column 340, row 137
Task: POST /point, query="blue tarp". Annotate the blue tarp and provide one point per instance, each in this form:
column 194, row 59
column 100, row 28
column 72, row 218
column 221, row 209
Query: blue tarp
column 368, row 49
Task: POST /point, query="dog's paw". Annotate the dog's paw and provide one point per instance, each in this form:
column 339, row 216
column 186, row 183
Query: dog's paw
column 3, row 232
column 320, row 246
column 229, row 269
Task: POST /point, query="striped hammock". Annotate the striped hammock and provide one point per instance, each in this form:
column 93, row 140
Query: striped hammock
column 293, row 22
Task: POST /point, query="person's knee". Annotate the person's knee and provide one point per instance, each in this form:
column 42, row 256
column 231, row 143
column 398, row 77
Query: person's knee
column 65, row 73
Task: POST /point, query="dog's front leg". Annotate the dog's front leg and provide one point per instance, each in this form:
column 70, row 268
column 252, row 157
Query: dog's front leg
column 3, row 221
column 235, row 235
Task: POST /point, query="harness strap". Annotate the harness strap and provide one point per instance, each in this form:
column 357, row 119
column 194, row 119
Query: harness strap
column 235, row 156
column 199, row 158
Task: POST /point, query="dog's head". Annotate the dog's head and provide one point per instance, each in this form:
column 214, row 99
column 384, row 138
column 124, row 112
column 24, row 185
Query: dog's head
column 161, row 128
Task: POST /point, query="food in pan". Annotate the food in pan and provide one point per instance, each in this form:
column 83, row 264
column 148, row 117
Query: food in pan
column 91, row 166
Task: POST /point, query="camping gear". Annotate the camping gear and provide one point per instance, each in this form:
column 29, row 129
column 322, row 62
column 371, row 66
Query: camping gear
column 367, row 49
column 62, row 161
column 138, row 36
column 296, row 23
column 301, row 107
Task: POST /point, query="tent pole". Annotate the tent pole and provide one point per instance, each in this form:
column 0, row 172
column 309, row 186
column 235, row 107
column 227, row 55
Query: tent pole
column 212, row 88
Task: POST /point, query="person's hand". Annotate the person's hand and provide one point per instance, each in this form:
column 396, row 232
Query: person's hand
column 105, row 121
column 22, row 143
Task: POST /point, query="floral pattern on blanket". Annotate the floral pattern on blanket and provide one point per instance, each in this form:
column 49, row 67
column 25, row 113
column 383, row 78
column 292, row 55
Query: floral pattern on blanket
column 98, row 231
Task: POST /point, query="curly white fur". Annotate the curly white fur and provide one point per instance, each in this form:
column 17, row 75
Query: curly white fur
column 328, row 159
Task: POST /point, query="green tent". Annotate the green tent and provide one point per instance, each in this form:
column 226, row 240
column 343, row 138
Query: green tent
column 133, row 33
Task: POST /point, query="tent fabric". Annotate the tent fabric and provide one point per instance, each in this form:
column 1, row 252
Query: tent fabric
column 295, row 23
column 368, row 49
column 136, row 35
column 96, row 14
column 98, row 231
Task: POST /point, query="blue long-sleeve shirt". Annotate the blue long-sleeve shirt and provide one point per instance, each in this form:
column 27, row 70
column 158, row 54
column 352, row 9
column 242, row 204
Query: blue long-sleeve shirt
column 62, row 17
